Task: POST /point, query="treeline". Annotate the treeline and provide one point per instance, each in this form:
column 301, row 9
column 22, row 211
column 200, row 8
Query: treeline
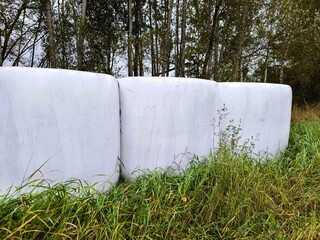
column 224, row 40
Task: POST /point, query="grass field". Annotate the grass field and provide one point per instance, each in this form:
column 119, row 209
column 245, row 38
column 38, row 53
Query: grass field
column 227, row 196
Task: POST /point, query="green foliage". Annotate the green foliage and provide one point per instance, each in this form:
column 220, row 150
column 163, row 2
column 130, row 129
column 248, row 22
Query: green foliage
column 225, row 196
column 105, row 31
column 224, row 40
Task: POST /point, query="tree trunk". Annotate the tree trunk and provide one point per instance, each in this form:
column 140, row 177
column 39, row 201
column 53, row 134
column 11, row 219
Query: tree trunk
column 141, row 70
column 52, row 47
column 156, row 40
column 281, row 74
column 136, row 33
column 167, row 42
column 177, row 41
column 266, row 67
column 0, row 52
column 153, row 60
column 241, row 70
column 17, row 61
column 183, row 38
column 130, row 68
column 35, row 41
column 216, row 61
column 214, row 27
column 80, row 50
column 5, row 48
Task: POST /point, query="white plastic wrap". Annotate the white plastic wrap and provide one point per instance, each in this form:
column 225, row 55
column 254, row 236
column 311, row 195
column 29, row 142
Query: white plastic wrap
column 68, row 118
column 260, row 111
column 164, row 121
column 69, row 121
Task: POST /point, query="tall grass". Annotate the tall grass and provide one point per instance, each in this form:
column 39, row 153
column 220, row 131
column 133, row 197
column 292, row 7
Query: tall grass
column 306, row 113
column 225, row 196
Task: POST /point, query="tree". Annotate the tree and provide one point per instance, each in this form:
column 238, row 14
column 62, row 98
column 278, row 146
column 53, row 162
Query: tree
column 167, row 39
column 224, row 40
column 130, row 67
column 302, row 50
column 81, row 32
column 138, row 40
column 154, row 28
column 19, row 32
column 180, row 42
column 105, row 35
column 51, row 34
column 212, row 38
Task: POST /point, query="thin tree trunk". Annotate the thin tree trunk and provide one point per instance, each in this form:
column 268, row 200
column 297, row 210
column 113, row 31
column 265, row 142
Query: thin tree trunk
column 140, row 40
column 216, row 61
column 52, row 47
column 242, row 40
column 80, row 50
column 220, row 72
column 281, row 75
column 1, row 52
column 130, row 68
column 205, row 72
column 266, row 67
column 35, row 42
column 153, row 61
column 136, row 29
column 4, row 51
column 183, row 38
column 167, row 42
column 239, row 73
column 157, row 60
column 241, row 70
column 17, row 61
column 63, row 42
column 177, row 44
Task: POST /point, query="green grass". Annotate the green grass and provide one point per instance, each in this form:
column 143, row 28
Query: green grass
column 227, row 196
